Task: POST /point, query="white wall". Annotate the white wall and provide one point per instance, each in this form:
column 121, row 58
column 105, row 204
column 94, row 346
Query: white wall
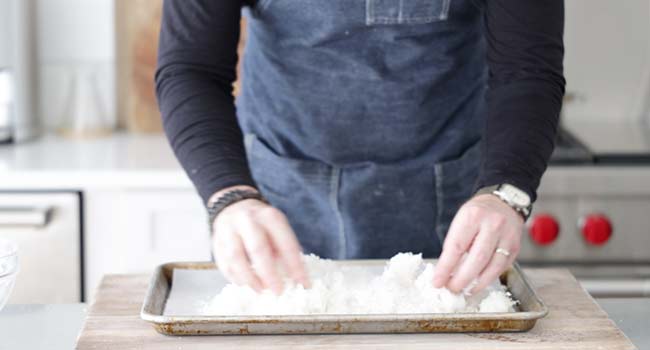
column 5, row 32
column 607, row 55
column 607, row 58
column 76, row 37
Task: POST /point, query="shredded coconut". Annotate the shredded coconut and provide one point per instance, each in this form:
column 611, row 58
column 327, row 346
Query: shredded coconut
column 405, row 286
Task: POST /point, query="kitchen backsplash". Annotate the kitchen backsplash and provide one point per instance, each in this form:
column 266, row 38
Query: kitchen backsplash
column 76, row 41
column 607, row 62
column 77, row 38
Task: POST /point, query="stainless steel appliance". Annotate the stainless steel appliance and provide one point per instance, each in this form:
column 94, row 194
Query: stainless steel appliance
column 18, row 120
column 47, row 228
column 593, row 211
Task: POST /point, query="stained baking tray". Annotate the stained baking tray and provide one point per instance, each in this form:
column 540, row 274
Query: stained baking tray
column 528, row 311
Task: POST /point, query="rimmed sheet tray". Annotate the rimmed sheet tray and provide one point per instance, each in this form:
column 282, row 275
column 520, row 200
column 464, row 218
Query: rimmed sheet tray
column 530, row 309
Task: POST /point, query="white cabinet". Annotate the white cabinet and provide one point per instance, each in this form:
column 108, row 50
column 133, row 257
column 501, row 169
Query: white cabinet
column 132, row 231
column 48, row 249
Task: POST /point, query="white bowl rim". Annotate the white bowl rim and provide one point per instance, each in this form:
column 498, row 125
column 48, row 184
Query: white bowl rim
column 9, row 274
column 13, row 248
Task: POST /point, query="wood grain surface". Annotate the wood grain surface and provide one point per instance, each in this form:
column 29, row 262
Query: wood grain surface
column 137, row 24
column 575, row 321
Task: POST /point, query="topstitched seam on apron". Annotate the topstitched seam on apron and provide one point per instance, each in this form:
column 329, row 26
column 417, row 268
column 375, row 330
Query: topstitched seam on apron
column 335, row 182
column 445, row 9
column 369, row 12
column 439, row 201
column 400, row 16
column 372, row 18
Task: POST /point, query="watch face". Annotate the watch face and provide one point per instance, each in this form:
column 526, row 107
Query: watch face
column 515, row 195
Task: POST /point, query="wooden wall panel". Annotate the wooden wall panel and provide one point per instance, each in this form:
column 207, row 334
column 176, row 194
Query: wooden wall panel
column 137, row 24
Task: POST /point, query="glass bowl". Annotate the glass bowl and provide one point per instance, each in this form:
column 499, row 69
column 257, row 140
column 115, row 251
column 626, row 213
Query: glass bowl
column 8, row 269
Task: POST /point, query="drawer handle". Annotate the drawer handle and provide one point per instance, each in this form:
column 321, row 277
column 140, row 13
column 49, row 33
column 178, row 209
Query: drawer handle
column 25, row 216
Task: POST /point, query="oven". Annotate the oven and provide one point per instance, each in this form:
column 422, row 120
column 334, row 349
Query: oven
column 593, row 209
column 596, row 221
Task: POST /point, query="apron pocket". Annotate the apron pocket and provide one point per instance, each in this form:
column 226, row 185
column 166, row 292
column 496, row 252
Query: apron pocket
column 406, row 11
column 282, row 176
column 299, row 188
column 389, row 208
column 455, row 181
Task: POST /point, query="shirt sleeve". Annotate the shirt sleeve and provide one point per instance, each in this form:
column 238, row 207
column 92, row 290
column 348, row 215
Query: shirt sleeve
column 197, row 61
column 525, row 51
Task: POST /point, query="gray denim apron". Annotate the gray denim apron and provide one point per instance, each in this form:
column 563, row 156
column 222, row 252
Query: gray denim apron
column 362, row 118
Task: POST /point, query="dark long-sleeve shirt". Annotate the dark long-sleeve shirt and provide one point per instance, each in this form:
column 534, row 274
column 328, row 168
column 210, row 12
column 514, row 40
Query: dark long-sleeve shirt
column 197, row 66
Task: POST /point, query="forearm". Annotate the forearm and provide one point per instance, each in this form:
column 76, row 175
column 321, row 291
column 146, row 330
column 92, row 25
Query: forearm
column 196, row 69
column 204, row 134
column 526, row 86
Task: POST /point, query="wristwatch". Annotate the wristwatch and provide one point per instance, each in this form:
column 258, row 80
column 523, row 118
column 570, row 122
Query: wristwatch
column 512, row 196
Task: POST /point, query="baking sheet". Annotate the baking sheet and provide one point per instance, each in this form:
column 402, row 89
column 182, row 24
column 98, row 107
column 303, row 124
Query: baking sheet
column 192, row 289
column 167, row 317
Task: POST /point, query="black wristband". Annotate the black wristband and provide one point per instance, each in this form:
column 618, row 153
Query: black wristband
column 228, row 198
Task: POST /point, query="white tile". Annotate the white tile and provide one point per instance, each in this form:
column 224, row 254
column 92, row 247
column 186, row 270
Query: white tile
column 57, row 90
column 607, row 58
column 75, row 30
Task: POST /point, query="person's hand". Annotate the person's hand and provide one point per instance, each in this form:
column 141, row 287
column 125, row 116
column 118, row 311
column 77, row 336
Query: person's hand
column 250, row 238
column 482, row 224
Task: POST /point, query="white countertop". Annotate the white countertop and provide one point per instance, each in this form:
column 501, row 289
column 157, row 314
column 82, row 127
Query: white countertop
column 146, row 161
column 120, row 160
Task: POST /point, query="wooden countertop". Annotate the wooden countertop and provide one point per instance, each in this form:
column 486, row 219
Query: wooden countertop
column 575, row 321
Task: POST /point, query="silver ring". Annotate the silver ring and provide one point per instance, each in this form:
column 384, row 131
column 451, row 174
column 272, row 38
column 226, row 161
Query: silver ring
column 503, row 251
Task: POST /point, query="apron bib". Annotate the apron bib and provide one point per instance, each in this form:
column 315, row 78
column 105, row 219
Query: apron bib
column 362, row 119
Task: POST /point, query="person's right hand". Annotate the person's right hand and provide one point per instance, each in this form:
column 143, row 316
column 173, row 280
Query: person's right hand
column 250, row 238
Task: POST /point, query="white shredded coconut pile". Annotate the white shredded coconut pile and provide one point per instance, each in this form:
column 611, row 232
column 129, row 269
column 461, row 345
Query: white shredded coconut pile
column 405, row 286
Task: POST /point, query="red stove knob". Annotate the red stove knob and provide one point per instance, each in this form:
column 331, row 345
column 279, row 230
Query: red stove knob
column 544, row 229
column 596, row 229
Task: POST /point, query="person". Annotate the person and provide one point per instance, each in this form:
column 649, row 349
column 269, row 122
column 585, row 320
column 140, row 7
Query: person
column 363, row 128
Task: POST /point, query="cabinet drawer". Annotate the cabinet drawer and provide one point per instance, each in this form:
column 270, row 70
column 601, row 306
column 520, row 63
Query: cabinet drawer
column 48, row 247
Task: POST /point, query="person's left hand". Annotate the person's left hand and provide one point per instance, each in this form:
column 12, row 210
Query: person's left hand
column 482, row 224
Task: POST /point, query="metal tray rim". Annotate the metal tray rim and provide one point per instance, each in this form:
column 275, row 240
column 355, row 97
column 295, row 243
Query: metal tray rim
column 159, row 319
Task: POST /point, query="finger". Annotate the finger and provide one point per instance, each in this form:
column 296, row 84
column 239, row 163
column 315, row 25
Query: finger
column 246, row 275
column 219, row 253
column 460, row 236
column 228, row 252
column 240, row 265
column 286, row 244
column 492, row 271
column 478, row 258
column 260, row 254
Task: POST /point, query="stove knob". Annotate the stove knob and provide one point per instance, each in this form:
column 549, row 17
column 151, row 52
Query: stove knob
column 544, row 229
column 596, row 229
